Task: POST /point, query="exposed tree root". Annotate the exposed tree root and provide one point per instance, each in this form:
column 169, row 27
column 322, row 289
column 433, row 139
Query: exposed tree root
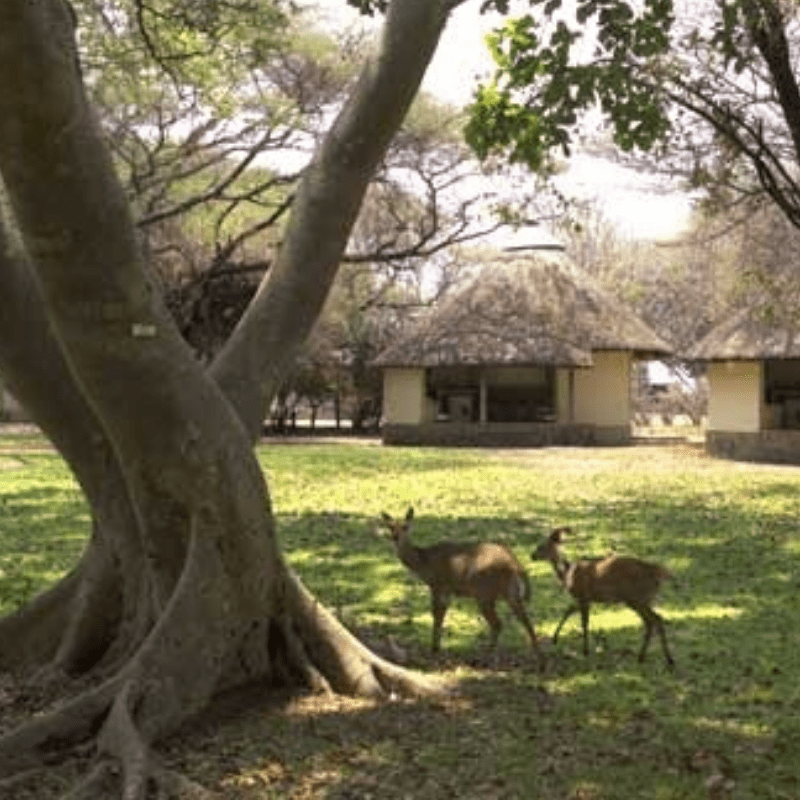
column 154, row 693
column 31, row 635
column 127, row 759
column 94, row 615
column 172, row 675
column 220, row 627
column 297, row 656
column 52, row 734
column 160, row 783
column 351, row 667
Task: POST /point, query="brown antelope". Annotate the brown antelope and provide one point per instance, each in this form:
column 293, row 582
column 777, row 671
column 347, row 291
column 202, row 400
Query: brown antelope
column 611, row 579
column 485, row 571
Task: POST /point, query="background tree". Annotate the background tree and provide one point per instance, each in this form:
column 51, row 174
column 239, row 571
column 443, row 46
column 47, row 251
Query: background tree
column 722, row 263
column 653, row 72
column 679, row 288
column 182, row 589
column 211, row 117
column 711, row 90
column 766, row 249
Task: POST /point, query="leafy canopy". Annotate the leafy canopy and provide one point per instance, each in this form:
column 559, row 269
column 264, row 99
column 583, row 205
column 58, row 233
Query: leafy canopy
column 552, row 68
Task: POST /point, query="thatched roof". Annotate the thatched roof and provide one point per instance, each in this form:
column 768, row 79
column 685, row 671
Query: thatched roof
column 524, row 309
column 746, row 335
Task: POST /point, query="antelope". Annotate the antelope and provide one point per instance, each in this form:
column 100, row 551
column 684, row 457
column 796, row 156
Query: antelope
column 485, row 571
column 610, row 579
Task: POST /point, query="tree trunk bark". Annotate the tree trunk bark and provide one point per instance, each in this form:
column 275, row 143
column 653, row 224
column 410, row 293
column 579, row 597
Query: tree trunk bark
column 325, row 208
column 183, row 568
column 74, row 622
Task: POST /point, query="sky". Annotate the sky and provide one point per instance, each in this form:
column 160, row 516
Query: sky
column 636, row 204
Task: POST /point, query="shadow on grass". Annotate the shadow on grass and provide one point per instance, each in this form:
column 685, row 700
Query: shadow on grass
column 614, row 728
column 611, row 732
column 602, row 727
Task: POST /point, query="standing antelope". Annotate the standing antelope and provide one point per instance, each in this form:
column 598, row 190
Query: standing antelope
column 485, row 571
column 612, row 579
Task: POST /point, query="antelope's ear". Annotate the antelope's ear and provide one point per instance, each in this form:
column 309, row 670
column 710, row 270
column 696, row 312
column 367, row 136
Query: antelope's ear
column 410, row 514
column 557, row 534
column 385, row 518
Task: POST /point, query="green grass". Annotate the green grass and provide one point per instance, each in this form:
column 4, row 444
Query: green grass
column 602, row 728
column 44, row 523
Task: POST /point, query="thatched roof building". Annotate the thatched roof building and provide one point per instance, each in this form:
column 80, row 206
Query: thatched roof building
column 527, row 351
column 532, row 309
column 753, row 373
column 747, row 336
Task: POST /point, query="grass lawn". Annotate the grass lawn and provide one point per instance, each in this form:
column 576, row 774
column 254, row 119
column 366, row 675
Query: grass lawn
column 724, row 724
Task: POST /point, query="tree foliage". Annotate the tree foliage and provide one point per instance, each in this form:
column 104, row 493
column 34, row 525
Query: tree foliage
column 654, row 72
column 182, row 590
column 211, row 118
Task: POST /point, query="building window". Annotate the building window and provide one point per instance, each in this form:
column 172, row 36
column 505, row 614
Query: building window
column 513, row 394
column 782, row 392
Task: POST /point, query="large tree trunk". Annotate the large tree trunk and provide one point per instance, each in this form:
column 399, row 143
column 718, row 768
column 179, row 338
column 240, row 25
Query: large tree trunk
column 325, row 208
column 73, row 625
column 182, row 589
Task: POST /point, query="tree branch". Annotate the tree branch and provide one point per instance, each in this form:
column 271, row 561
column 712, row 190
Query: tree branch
column 325, row 207
column 767, row 26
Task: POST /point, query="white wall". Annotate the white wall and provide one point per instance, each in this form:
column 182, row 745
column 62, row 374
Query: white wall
column 602, row 391
column 404, row 401
column 735, row 393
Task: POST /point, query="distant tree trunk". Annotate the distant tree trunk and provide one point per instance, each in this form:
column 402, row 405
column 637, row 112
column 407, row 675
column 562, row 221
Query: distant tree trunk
column 182, row 589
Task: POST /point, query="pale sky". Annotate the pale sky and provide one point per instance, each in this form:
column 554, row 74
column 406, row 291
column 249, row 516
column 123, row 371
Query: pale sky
column 462, row 56
column 637, row 205
column 634, row 203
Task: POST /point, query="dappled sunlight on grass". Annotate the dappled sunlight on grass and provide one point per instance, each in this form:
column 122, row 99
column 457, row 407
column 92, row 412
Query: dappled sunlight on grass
column 702, row 611
column 44, row 524
column 745, row 729
column 619, row 729
column 602, row 727
column 575, row 683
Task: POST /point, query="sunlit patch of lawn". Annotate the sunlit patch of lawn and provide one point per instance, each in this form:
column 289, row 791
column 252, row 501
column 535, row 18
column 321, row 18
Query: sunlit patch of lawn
column 603, row 727
column 617, row 729
column 44, row 523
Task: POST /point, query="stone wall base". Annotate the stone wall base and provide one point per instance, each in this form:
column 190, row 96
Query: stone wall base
column 454, row 434
column 770, row 446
